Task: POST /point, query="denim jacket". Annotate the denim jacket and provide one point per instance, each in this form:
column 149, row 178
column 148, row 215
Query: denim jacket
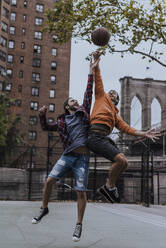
column 60, row 125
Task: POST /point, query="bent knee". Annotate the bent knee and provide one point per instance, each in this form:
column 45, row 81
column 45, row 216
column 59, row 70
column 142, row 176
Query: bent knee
column 50, row 180
column 121, row 159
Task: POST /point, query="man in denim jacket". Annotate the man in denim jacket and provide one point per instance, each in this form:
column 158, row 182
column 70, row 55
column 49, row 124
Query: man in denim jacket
column 72, row 127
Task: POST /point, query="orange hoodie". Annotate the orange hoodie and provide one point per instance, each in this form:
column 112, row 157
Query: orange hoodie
column 104, row 111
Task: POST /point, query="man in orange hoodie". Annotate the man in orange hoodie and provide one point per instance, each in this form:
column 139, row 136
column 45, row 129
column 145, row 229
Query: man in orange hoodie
column 103, row 119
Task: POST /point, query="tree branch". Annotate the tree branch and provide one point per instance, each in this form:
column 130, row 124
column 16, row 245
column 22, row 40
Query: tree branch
column 151, row 47
column 142, row 53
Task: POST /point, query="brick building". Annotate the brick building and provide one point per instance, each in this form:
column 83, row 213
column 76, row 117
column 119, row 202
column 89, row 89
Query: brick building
column 34, row 68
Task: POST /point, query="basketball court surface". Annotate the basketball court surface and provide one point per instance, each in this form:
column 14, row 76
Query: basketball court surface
column 105, row 226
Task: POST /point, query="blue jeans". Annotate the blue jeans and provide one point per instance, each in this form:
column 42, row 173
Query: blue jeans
column 79, row 164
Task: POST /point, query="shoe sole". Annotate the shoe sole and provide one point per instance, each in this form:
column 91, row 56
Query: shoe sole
column 34, row 221
column 105, row 194
column 76, row 239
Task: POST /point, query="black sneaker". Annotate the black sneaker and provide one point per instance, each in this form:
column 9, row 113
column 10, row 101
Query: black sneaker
column 43, row 212
column 110, row 195
column 77, row 232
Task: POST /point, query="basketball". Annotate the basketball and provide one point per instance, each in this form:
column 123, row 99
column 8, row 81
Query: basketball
column 100, row 36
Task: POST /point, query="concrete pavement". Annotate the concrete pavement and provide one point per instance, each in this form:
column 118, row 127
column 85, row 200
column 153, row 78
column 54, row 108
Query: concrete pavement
column 105, row 226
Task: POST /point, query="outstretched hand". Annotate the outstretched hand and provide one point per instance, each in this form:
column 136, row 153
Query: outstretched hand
column 97, row 54
column 152, row 134
column 96, row 58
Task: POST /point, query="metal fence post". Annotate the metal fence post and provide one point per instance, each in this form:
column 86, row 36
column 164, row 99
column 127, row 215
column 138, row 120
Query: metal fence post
column 152, row 181
column 48, row 154
column 147, row 178
column 158, row 187
column 30, row 174
column 94, row 176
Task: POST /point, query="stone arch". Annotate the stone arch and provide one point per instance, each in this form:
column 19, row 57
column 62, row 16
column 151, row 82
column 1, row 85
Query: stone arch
column 136, row 112
column 145, row 90
column 155, row 113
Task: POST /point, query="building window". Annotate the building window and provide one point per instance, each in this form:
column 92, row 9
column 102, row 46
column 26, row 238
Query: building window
column 5, row 12
column 52, row 93
column 38, row 35
column 33, row 120
column 53, row 65
column 35, row 91
column 12, row 30
column 23, row 31
column 32, row 135
column 50, row 120
column 54, row 51
column 36, row 62
column 38, row 21
column 10, row 58
column 37, row 49
column 35, row 77
column 19, row 88
column 24, row 18
column 54, row 37
column 18, row 102
column 22, row 45
column 21, row 59
column 34, row 105
column 39, row 8
column 9, row 72
column 12, row 16
column 8, row 87
column 7, row 1
column 2, row 71
column 25, row 3
column 51, row 107
column 1, row 86
column 52, row 79
column 21, row 73
column 4, row 27
column 3, row 41
column 8, row 104
column 14, row 2
column 2, row 56
column 11, row 44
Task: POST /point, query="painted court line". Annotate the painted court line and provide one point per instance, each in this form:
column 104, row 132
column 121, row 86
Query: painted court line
column 141, row 217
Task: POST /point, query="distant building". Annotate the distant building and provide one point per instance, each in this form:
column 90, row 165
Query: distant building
column 34, row 68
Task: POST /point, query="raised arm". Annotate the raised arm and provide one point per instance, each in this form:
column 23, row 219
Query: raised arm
column 88, row 94
column 99, row 88
column 43, row 121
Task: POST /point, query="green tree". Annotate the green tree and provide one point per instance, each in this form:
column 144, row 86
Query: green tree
column 9, row 131
column 136, row 26
column 5, row 119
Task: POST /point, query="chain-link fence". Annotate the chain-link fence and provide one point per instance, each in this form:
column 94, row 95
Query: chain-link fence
column 24, row 171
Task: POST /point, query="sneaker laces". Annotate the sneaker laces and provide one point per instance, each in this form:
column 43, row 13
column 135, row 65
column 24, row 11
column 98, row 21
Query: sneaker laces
column 77, row 230
column 116, row 193
column 40, row 213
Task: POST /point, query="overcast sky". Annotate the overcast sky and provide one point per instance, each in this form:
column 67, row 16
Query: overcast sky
column 113, row 67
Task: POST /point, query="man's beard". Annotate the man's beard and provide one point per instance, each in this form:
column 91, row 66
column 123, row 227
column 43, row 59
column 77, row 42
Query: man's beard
column 73, row 108
column 115, row 101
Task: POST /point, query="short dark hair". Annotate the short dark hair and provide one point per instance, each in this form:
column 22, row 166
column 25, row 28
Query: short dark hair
column 65, row 104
